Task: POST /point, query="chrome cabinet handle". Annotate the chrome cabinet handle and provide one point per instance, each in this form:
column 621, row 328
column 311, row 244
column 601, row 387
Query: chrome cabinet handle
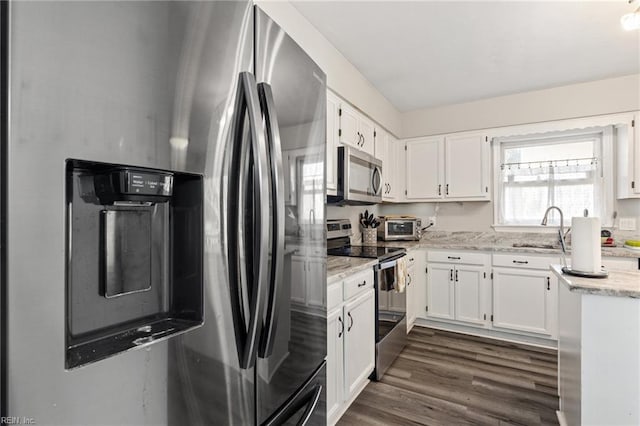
column 341, row 327
column 274, row 146
column 351, row 318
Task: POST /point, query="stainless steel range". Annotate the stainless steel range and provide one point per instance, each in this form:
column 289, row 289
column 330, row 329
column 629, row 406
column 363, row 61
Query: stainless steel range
column 391, row 313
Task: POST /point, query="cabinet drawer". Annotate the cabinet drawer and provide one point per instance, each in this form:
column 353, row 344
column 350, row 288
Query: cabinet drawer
column 358, row 283
column 458, row 257
column 334, row 295
column 524, row 261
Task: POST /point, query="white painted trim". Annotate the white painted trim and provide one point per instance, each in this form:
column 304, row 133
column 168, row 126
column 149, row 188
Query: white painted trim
column 561, row 419
column 488, row 333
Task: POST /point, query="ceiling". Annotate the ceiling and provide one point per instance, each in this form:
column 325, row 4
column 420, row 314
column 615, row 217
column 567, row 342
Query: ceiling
column 422, row 54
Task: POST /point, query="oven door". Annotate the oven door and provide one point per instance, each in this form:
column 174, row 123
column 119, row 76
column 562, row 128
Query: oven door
column 361, row 177
column 391, row 306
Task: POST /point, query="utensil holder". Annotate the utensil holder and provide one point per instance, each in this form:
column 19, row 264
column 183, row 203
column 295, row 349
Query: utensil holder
column 369, row 236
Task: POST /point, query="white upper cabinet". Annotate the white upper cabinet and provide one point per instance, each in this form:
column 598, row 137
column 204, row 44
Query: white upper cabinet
column 454, row 167
column 628, row 159
column 387, row 151
column 333, row 137
column 467, row 166
column 424, row 168
column 355, row 129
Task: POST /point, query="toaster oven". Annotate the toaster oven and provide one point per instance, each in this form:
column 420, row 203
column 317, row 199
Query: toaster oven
column 395, row 228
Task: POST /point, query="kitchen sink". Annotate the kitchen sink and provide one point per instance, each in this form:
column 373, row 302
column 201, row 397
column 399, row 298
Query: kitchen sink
column 536, row 245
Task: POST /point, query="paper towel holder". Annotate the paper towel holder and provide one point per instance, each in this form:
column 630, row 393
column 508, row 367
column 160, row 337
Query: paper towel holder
column 602, row 274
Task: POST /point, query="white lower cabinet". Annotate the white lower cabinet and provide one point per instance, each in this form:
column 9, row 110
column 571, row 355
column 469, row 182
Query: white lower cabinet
column 335, row 361
column 416, row 285
column 359, row 347
column 440, row 291
column 525, row 300
column 350, row 341
column 304, row 269
column 458, row 289
column 525, row 294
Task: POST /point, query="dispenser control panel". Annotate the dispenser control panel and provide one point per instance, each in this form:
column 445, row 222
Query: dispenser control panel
column 145, row 183
column 133, row 184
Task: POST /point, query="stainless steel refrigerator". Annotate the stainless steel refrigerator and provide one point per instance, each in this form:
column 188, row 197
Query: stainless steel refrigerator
column 162, row 216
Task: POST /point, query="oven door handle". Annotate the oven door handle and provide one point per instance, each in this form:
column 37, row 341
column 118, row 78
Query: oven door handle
column 388, row 264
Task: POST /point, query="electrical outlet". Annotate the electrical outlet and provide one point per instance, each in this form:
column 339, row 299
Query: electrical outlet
column 432, row 220
column 627, row 224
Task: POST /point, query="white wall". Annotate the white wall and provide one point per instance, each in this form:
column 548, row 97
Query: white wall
column 608, row 96
column 342, row 77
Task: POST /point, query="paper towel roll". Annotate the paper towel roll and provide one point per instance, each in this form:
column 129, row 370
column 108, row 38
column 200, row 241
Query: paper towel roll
column 586, row 255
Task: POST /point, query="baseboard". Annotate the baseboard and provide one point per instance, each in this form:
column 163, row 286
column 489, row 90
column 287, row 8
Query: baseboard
column 561, row 419
column 347, row 404
column 490, row 334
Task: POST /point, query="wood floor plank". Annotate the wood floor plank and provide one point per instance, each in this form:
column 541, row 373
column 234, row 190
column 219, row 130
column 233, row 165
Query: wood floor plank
column 446, row 378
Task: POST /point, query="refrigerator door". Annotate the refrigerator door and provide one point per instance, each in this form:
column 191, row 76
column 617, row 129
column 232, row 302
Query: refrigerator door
column 150, row 84
column 293, row 95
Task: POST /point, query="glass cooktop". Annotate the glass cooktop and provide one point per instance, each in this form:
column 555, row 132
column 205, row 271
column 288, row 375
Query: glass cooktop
column 372, row 252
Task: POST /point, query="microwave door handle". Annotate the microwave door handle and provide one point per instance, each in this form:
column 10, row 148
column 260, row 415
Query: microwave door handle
column 376, row 180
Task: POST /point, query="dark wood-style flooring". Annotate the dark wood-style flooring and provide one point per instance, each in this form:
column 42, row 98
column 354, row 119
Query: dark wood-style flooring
column 444, row 378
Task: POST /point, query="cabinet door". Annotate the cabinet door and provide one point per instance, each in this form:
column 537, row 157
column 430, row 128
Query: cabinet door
column 523, row 300
column 298, row 285
column 333, row 127
column 335, row 368
column 636, row 155
column 424, row 169
column 469, row 293
column 349, row 132
column 440, row 291
column 466, row 166
column 399, row 185
column 391, row 170
column 418, row 301
column 359, row 345
column 411, row 296
column 315, row 282
column 380, row 152
column 367, row 130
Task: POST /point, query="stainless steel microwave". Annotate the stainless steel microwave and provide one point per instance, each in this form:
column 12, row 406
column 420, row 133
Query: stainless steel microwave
column 400, row 228
column 359, row 178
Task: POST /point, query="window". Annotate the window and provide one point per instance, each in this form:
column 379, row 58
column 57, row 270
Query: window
column 562, row 169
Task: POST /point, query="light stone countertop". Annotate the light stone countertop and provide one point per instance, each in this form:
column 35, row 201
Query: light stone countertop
column 618, row 283
column 340, row 267
column 498, row 242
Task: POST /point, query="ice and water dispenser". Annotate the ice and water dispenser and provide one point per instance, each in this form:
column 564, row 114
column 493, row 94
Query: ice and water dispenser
column 134, row 257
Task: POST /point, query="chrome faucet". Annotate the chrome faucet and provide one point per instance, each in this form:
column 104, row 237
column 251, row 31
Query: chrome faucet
column 560, row 232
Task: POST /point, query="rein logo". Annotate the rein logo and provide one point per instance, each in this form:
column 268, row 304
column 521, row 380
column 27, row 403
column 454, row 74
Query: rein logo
column 15, row 420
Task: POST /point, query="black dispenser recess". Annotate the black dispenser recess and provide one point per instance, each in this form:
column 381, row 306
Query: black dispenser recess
column 134, row 257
